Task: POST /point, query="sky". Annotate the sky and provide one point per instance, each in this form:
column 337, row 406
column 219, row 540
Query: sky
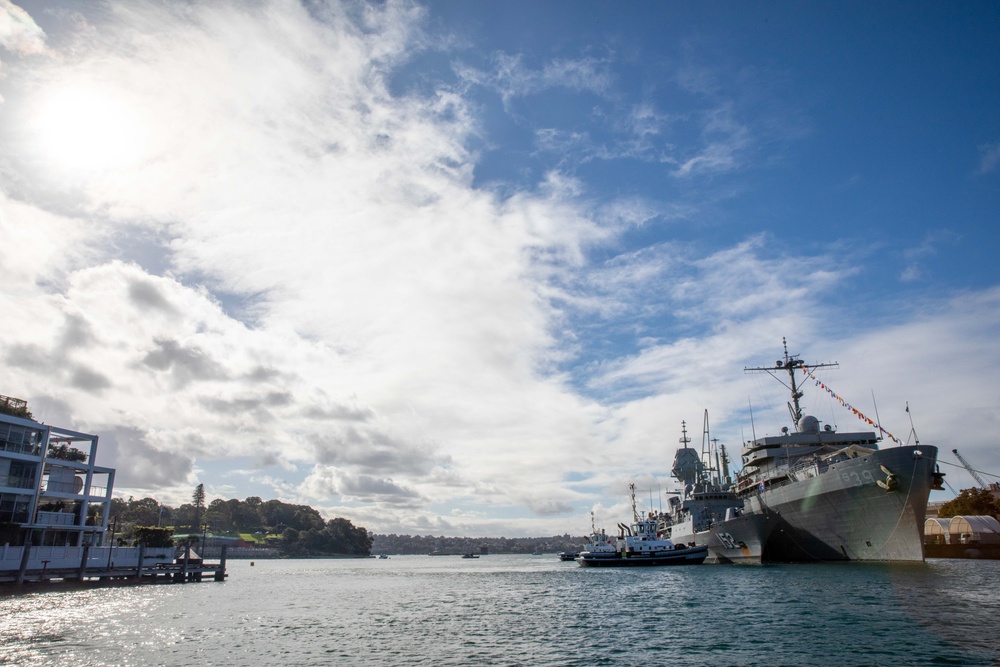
column 465, row 268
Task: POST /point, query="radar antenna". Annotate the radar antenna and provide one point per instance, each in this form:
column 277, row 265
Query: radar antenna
column 790, row 364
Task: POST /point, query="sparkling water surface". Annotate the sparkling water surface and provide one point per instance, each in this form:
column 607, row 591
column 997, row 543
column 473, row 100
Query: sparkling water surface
column 520, row 610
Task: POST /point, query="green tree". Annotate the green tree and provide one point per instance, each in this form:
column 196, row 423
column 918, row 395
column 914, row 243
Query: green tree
column 972, row 502
column 198, row 500
column 219, row 516
column 247, row 514
column 142, row 512
column 152, row 536
column 184, row 518
column 64, row 452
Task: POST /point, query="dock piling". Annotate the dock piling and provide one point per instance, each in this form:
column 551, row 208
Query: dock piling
column 24, row 563
column 142, row 557
column 220, row 574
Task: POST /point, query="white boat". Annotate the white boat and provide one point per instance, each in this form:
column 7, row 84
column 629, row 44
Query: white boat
column 642, row 543
column 599, row 544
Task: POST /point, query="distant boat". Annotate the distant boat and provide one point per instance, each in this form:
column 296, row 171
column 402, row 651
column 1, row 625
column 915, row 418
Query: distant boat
column 599, row 543
column 383, row 556
column 469, row 555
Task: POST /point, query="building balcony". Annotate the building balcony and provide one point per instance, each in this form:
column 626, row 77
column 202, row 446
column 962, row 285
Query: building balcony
column 17, row 482
column 56, row 519
column 27, row 449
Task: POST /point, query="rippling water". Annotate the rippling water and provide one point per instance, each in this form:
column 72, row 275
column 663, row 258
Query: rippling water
column 520, row 610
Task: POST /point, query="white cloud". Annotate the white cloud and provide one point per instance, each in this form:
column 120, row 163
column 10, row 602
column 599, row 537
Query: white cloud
column 512, row 78
column 916, row 257
column 18, row 31
column 724, row 140
column 989, row 157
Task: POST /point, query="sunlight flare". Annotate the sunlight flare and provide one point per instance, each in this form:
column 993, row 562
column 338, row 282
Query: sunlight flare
column 83, row 128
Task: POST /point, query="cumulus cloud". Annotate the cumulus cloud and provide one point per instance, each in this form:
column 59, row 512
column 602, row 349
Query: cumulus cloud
column 323, row 243
column 331, row 482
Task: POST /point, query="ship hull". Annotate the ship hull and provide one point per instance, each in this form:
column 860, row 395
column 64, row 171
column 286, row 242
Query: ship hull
column 843, row 514
column 692, row 556
column 737, row 540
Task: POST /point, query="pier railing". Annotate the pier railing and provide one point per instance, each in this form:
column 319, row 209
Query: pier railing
column 37, row 565
column 59, row 558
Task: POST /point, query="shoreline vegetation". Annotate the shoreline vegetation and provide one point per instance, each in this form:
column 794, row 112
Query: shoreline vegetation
column 272, row 526
column 255, row 528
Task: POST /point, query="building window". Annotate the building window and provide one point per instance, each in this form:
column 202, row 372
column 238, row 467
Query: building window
column 14, row 508
column 20, row 439
column 21, row 475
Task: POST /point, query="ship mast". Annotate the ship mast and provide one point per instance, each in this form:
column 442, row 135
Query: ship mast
column 708, row 453
column 631, row 491
column 790, row 364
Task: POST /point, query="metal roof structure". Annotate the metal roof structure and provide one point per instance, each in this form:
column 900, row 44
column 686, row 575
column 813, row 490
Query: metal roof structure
column 964, row 529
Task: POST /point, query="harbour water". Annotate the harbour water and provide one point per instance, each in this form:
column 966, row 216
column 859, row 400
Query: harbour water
column 520, row 610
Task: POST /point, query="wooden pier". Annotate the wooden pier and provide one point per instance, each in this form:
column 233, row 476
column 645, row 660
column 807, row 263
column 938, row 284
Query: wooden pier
column 133, row 566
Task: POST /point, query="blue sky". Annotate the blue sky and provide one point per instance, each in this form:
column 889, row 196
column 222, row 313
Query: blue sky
column 463, row 268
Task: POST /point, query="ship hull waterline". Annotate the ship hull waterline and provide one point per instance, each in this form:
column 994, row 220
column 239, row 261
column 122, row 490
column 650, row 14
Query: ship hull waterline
column 737, row 540
column 692, row 556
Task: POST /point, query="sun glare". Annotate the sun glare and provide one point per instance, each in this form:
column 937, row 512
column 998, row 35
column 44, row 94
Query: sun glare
column 83, row 129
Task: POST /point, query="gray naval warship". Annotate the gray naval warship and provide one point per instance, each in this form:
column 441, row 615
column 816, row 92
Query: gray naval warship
column 707, row 511
column 825, row 495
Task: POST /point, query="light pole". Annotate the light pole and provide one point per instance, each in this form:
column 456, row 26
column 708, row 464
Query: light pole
column 111, row 545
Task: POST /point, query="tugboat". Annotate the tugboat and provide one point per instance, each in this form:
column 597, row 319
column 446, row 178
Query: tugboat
column 599, row 544
column 642, row 543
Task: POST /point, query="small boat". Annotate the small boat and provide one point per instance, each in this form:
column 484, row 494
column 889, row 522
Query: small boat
column 568, row 555
column 599, row 544
column 641, row 543
column 469, row 555
column 383, row 556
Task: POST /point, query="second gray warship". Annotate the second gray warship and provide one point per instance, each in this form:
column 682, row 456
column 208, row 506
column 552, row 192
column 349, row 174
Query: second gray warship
column 707, row 512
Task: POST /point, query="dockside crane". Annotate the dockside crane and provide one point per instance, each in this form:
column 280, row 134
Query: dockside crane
column 972, row 472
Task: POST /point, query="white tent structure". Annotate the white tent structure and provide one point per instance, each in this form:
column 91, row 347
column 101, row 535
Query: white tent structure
column 962, row 530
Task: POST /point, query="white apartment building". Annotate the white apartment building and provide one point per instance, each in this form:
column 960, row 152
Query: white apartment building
column 51, row 491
